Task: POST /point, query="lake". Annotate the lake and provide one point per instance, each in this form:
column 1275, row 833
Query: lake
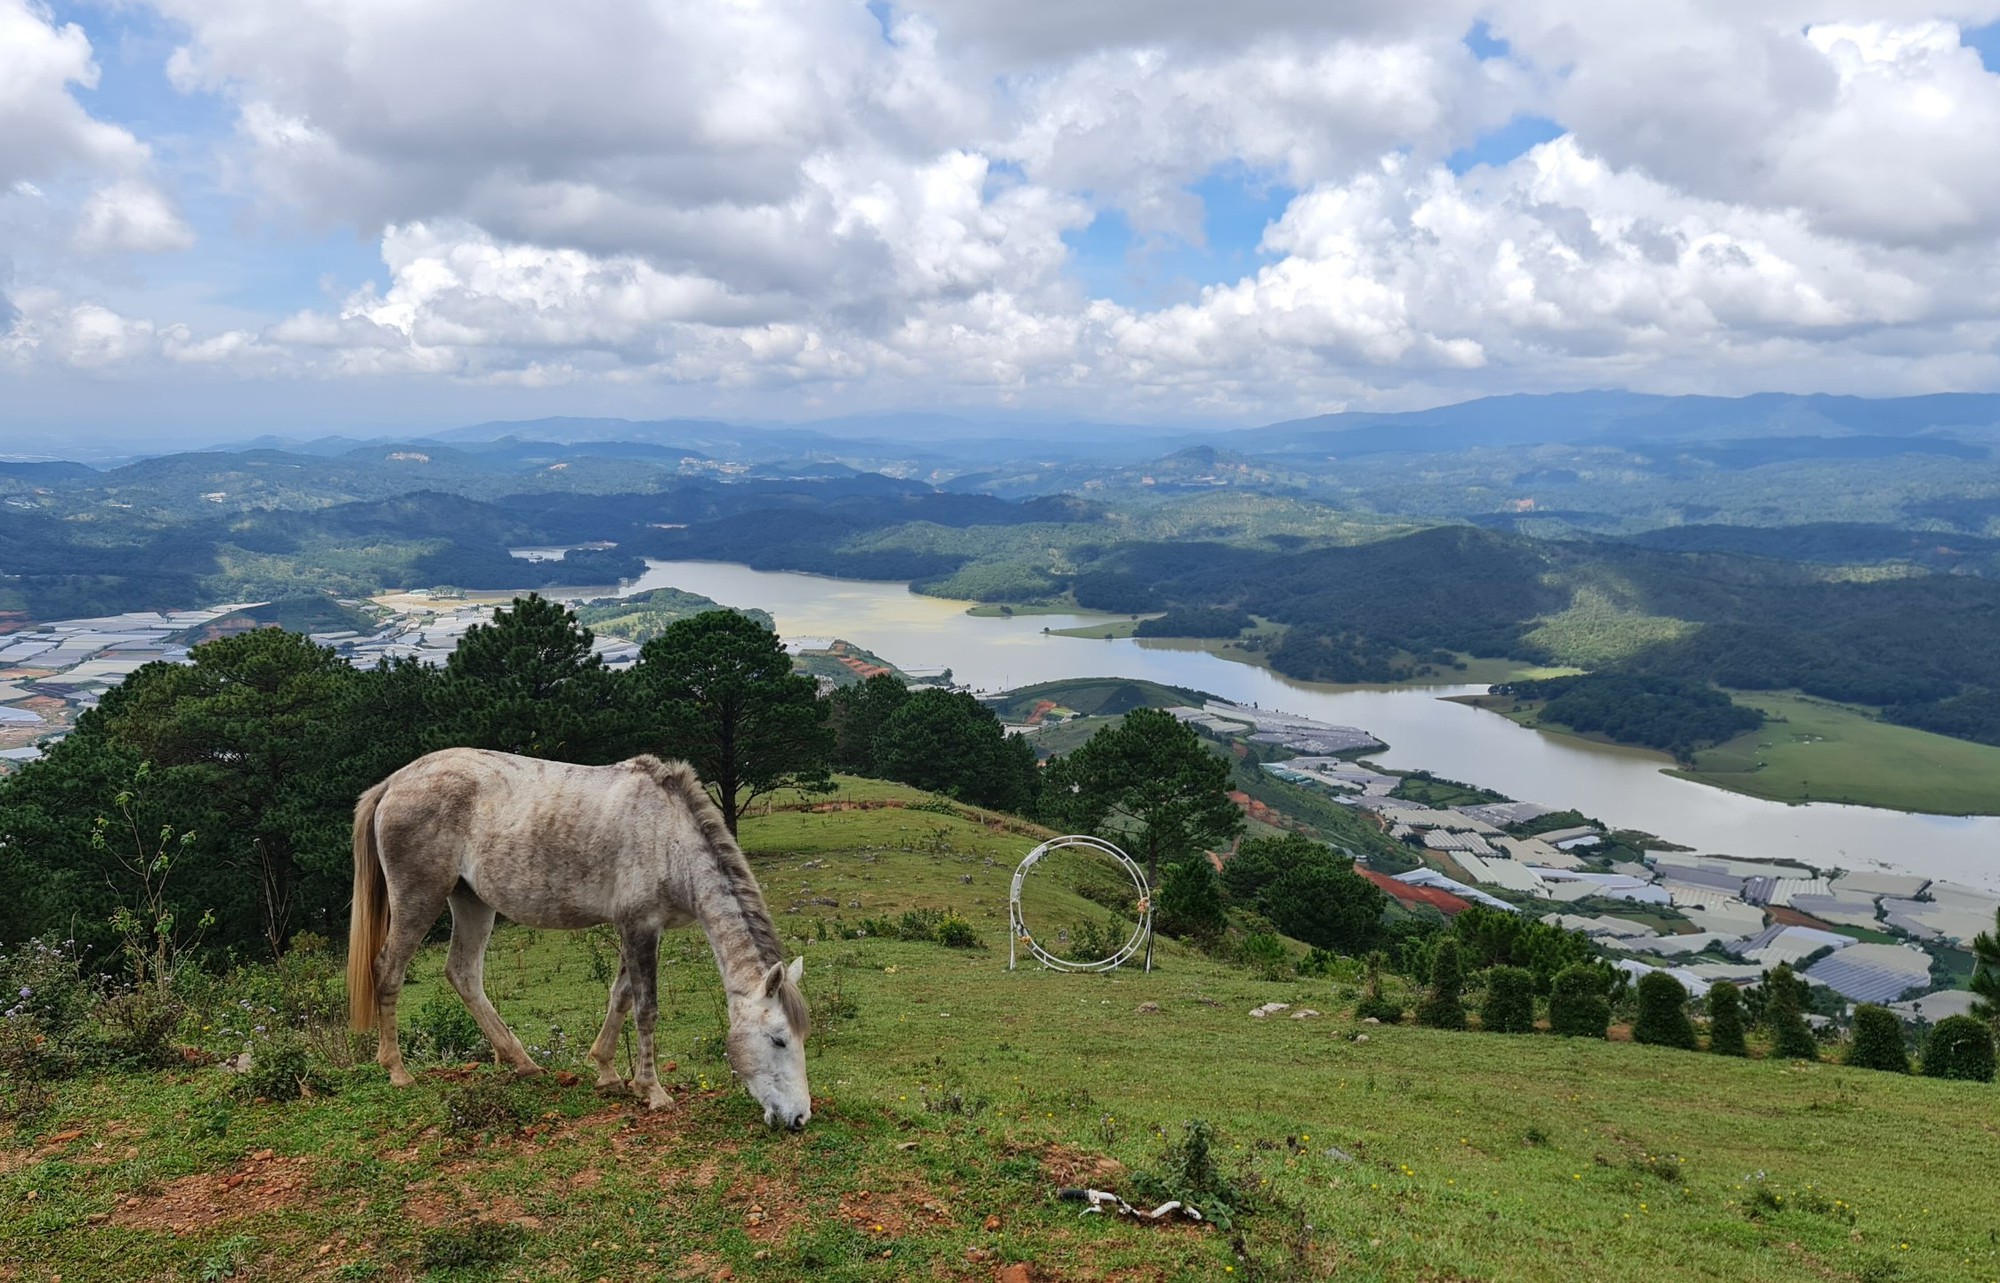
column 1624, row 788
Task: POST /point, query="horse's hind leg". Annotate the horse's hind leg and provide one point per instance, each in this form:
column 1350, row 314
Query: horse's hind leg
column 409, row 922
column 641, row 950
column 465, row 967
column 605, row 1050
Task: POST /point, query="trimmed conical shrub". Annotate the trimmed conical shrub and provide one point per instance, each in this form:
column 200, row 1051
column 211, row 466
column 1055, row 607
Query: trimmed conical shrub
column 1784, row 1015
column 1510, row 1001
column 1725, row 1021
column 1444, row 1006
column 1878, row 1041
column 1577, row 1005
column 1663, row 1013
column 1959, row 1047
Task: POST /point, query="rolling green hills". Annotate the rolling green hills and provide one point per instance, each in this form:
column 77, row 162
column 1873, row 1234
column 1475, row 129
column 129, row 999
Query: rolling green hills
column 953, row 1097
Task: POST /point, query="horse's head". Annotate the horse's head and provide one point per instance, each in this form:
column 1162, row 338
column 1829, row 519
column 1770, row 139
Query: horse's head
column 767, row 1045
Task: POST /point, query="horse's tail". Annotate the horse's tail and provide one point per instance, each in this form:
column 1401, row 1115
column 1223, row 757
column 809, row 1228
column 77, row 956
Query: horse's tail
column 370, row 926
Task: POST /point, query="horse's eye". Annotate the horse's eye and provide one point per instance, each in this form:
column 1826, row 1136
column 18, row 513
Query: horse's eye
column 778, row 1042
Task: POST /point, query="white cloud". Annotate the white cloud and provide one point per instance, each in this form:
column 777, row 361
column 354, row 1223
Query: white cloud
column 130, row 216
column 782, row 196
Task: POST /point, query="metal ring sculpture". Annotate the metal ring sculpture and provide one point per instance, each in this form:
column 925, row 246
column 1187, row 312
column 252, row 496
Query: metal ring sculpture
column 1142, row 934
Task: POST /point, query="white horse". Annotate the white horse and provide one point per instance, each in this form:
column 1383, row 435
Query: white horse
column 638, row 845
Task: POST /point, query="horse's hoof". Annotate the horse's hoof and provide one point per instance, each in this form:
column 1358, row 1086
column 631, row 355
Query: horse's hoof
column 658, row 1098
column 528, row 1070
column 612, row 1083
column 401, row 1078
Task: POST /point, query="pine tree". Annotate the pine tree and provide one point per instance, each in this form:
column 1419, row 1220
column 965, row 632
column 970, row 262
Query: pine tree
column 1725, row 1020
column 719, row 690
column 1959, row 1047
column 1190, row 902
column 1985, row 983
column 1578, row 1007
column 1878, row 1041
column 530, row 682
column 1444, row 1006
column 1148, row 783
column 1784, row 1015
column 1510, row 1001
column 1663, row 1016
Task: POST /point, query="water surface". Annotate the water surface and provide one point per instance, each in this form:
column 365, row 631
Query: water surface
column 1625, row 788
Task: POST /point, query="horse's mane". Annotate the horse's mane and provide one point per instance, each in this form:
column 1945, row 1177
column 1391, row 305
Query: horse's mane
column 679, row 781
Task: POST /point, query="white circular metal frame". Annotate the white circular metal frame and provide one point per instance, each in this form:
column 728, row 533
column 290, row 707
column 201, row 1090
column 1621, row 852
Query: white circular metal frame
column 1142, row 934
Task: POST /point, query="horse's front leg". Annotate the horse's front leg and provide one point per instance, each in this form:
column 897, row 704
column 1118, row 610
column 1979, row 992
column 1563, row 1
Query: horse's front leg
column 642, row 966
column 605, row 1050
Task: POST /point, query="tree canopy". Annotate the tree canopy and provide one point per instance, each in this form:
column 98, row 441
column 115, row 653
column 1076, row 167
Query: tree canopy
column 1148, row 782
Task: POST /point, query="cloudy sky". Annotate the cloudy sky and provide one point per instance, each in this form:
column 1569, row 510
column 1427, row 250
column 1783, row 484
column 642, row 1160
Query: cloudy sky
column 222, row 216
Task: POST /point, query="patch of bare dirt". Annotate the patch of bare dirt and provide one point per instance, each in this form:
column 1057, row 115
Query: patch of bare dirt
column 1067, row 1166
column 259, row 1184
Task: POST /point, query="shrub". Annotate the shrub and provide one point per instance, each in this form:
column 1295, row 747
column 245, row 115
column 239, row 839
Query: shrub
column 956, row 933
column 1510, row 1001
column 1187, row 1171
column 137, row 1028
column 1878, row 1041
column 444, row 1028
column 1265, row 954
column 1959, row 1047
column 452, row 1247
column 1663, row 1016
column 485, row 1102
column 279, row 1069
column 1386, row 1010
column 44, row 980
column 1578, row 1007
column 1725, row 1020
column 1443, row 1006
column 1784, row 1015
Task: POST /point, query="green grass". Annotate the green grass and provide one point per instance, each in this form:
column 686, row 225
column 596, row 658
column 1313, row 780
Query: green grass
column 956, row 1091
column 1818, row 751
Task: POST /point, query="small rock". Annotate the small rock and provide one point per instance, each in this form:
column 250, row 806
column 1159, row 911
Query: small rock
column 97, row 1218
column 976, row 1254
column 990, row 1224
column 755, row 1218
column 1015, row 1273
column 1361, row 1037
column 1371, row 1020
column 567, row 1079
column 1304, row 1013
column 1338, row 1155
column 1149, row 1008
column 1270, row 1009
column 263, row 1156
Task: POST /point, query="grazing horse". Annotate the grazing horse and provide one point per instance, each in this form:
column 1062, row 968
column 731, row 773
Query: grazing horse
column 638, row 845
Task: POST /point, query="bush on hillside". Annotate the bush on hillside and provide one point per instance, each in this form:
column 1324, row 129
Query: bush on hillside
column 1663, row 1015
column 1190, row 902
column 1785, row 998
column 1510, row 1001
column 1725, row 1020
column 1959, row 1047
column 1443, row 1006
column 443, row 1027
column 1374, row 1003
column 1578, row 1007
column 1266, row 954
column 1878, row 1041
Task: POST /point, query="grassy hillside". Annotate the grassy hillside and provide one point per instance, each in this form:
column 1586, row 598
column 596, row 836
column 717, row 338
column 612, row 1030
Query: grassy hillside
column 1816, row 750
column 953, row 1097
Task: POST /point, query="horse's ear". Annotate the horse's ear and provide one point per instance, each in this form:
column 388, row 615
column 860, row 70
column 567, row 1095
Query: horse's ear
column 773, row 978
column 797, row 970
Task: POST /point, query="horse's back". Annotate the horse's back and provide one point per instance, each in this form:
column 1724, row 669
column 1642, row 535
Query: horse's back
column 543, row 842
